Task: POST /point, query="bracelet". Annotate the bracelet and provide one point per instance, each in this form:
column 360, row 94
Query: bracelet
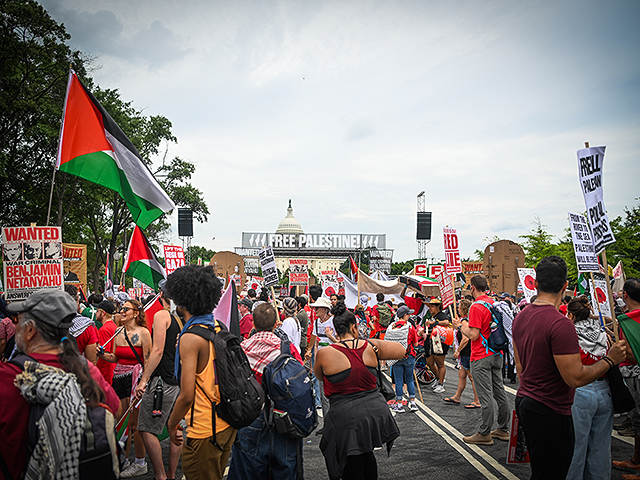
column 609, row 361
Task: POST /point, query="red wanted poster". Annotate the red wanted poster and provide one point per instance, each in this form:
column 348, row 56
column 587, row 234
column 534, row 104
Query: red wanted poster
column 298, row 272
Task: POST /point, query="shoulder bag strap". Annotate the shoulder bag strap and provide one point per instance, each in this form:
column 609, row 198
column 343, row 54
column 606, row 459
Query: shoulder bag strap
column 132, row 347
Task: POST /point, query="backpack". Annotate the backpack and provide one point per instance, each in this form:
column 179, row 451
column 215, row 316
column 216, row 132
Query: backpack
column 384, row 315
column 398, row 333
column 241, row 396
column 497, row 341
column 288, row 386
column 99, row 448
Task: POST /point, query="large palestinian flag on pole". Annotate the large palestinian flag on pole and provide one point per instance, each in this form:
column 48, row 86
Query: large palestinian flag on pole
column 93, row 146
column 142, row 262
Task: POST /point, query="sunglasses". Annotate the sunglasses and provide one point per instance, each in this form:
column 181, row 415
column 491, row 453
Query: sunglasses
column 125, row 309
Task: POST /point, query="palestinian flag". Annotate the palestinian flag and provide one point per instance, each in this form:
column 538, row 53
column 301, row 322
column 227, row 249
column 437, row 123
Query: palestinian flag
column 354, row 269
column 142, row 262
column 93, row 146
column 630, row 324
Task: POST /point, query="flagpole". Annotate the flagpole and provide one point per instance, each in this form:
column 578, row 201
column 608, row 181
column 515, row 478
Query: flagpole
column 53, row 179
column 610, row 293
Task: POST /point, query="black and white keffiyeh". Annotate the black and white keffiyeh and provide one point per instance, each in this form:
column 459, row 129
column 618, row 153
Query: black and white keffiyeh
column 57, row 451
column 591, row 338
column 79, row 325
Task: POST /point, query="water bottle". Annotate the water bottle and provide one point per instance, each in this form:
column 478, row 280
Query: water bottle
column 157, row 399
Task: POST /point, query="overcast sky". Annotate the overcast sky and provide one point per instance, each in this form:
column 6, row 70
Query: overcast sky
column 352, row 108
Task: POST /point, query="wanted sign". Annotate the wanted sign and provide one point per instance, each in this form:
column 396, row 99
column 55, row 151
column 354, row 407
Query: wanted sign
column 173, row 258
column 269, row 269
column 586, row 257
column 298, row 272
column 446, row 289
column 451, row 251
column 330, row 285
column 590, row 162
column 32, row 260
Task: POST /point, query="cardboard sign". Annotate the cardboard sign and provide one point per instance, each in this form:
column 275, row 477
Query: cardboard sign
column 269, row 269
column 528, row 282
column 446, row 289
column 173, row 258
column 75, row 264
column 601, row 295
column 298, row 272
column 32, row 260
column 586, row 258
column 590, row 162
column 451, row 251
column 500, row 263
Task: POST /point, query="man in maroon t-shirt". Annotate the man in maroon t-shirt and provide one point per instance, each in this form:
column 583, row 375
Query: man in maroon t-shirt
column 486, row 366
column 549, row 366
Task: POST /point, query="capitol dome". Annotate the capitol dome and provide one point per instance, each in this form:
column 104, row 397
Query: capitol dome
column 289, row 224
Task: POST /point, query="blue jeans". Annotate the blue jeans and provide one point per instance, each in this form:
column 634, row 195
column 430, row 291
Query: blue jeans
column 260, row 452
column 314, row 380
column 403, row 373
column 592, row 413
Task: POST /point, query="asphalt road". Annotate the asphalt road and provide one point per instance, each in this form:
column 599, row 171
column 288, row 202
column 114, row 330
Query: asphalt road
column 430, row 443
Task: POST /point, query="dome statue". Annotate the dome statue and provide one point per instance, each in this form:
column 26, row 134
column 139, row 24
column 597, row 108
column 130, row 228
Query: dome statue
column 289, row 224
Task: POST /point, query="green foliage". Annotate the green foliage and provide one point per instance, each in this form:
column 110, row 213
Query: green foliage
column 400, row 268
column 627, row 247
column 537, row 244
column 194, row 251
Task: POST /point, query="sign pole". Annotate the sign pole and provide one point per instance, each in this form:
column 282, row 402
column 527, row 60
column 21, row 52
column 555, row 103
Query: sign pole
column 453, row 286
column 610, row 293
column 273, row 300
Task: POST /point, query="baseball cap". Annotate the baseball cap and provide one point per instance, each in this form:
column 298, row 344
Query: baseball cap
column 404, row 310
column 322, row 302
column 246, row 301
column 107, row 306
column 56, row 308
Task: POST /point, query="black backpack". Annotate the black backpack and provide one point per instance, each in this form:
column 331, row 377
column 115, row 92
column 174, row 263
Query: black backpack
column 241, row 396
column 497, row 341
column 290, row 391
column 99, row 448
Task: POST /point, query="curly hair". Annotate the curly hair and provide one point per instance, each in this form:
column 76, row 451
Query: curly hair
column 343, row 319
column 141, row 319
column 195, row 288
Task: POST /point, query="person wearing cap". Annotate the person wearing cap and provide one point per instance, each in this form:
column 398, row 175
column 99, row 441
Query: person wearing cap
column 439, row 318
column 104, row 314
column 291, row 325
column 303, row 319
column 246, row 320
column 324, row 334
column 403, row 332
column 42, row 332
column 159, row 371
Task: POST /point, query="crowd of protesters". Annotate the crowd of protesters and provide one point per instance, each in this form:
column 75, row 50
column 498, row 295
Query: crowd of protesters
column 559, row 350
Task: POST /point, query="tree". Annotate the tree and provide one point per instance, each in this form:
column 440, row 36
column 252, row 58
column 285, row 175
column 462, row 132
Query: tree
column 627, row 246
column 400, row 268
column 537, row 244
column 194, row 251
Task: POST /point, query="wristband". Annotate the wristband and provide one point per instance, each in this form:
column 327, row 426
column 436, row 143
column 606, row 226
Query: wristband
column 609, row 361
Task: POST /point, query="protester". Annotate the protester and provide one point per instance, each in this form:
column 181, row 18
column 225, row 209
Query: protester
column 592, row 409
column 325, row 335
column 382, row 315
column 131, row 349
column 630, row 370
column 291, row 325
column 315, row 292
column 259, row 450
column 333, row 299
column 196, row 291
column 246, row 319
column 106, row 334
column 550, row 368
column 439, row 318
column 158, row 374
column 463, row 353
column 303, row 319
column 42, row 333
column 403, row 332
column 83, row 329
column 507, row 309
column 359, row 419
column 486, row 367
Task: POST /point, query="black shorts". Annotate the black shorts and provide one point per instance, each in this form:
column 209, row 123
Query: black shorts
column 122, row 385
column 428, row 350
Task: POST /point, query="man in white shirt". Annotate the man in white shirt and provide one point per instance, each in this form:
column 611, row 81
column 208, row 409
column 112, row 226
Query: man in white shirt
column 291, row 325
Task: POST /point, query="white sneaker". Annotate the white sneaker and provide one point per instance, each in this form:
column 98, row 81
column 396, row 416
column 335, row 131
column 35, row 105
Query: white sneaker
column 413, row 407
column 134, row 470
column 439, row 389
column 398, row 408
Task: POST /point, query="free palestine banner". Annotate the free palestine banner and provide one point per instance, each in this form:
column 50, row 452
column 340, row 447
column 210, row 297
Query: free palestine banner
column 93, row 146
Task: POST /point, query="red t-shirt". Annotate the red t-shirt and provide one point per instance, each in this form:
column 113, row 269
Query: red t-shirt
column 14, row 414
column 480, row 317
column 539, row 333
column 105, row 333
column 88, row 337
column 246, row 324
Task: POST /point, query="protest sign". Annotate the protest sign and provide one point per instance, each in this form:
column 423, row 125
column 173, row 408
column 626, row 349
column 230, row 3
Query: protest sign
column 528, row 282
column 446, row 288
column 284, row 291
column 32, row 260
column 600, row 295
column 269, row 269
column 500, row 263
column 590, row 162
column 330, row 284
column 469, row 269
column 451, row 251
column 298, row 272
column 142, row 289
column 173, row 258
column 237, row 279
column 75, row 264
column 586, row 258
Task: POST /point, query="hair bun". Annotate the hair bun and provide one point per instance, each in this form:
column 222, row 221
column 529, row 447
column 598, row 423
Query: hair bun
column 338, row 309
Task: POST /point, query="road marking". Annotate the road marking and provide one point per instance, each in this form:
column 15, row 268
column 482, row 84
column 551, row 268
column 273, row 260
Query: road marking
column 467, row 456
column 510, row 390
column 628, row 440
